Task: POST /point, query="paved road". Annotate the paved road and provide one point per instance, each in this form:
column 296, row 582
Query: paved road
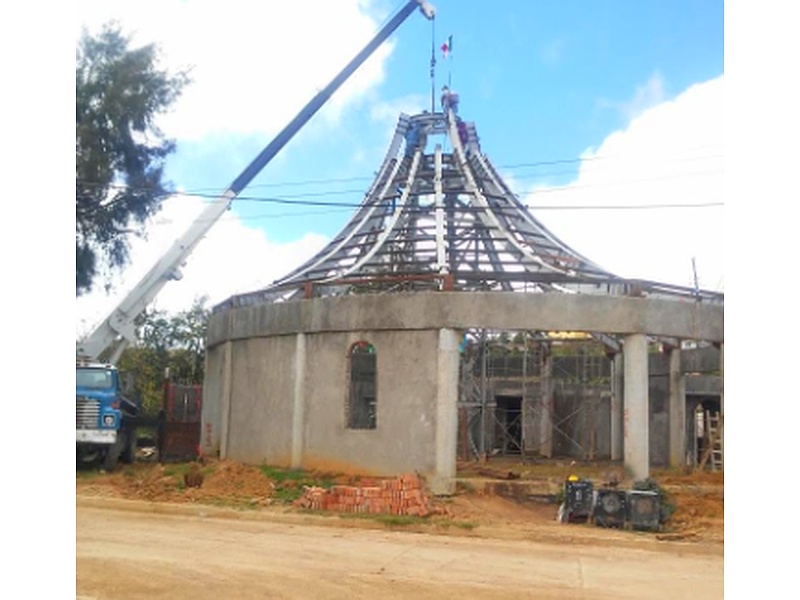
column 198, row 555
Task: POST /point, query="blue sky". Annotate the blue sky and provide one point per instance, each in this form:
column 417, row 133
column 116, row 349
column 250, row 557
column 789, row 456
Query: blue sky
column 625, row 97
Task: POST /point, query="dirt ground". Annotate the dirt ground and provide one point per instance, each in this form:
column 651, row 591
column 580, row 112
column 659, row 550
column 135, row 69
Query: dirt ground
column 142, row 532
column 125, row 550
column 502, row 497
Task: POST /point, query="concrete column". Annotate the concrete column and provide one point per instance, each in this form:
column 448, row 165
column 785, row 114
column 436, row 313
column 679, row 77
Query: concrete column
column 444, row 480
column 484, row 398
column 547, row 408
column 227, row 386
column 636, row 420
column 722, row 402
column 209, row 418
column 617, row 405
column 299, row 410
column 677, row 410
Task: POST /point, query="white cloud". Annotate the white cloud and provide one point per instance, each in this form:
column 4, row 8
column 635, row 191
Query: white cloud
column 672, row 153
column 232, row 258
column 386, row 112
column 647, row 95
column 253, row 64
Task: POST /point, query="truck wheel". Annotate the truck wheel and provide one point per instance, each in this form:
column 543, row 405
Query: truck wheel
column 87, row 458
column 111, row 458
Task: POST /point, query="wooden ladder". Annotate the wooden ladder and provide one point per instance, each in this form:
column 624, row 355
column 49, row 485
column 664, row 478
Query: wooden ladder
column 713, row 450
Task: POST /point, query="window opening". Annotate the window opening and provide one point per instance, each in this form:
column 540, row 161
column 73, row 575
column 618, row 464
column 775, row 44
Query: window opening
column 361, row 406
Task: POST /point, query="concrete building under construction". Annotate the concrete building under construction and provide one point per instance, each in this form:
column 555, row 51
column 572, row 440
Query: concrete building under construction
column 432, row 327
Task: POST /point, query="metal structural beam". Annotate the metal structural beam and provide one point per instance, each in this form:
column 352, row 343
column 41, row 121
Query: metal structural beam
column 439, row 217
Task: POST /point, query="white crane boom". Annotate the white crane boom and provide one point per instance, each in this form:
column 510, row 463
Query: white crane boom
column 117, row 330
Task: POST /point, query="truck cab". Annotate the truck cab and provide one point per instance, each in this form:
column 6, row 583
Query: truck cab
column 104, row 416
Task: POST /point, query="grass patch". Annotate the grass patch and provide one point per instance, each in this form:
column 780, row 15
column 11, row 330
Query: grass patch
column 388, row 520
column 468, row 525
column 447, row 524
column 176, row 469
column 279, row 475
column 289, row 483
column 286, row 495
column 400, row 520
column 230, row 503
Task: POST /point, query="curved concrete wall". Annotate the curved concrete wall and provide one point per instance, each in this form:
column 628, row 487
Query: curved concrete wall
column 455, row 310
column 260, row 407
column 277, row 375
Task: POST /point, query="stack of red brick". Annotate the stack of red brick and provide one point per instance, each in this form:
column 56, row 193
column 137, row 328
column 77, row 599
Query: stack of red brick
column 403, row 495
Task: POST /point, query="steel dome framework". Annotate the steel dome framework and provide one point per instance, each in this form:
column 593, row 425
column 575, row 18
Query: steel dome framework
column 436, row 219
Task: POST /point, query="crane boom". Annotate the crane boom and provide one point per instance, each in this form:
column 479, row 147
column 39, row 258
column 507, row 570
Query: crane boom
column 117, row 330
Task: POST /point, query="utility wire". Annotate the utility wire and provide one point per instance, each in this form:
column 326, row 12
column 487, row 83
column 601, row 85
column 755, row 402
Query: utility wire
column 463, row 210
column 291, row 198
column 298, row 199
column 333, row 206
column 542, row 163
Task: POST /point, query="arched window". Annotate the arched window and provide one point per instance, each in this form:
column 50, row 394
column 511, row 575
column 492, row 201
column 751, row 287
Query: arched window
column 361, row 399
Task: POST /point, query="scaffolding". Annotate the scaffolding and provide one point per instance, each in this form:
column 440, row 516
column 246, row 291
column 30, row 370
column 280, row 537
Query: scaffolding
column 528, row 395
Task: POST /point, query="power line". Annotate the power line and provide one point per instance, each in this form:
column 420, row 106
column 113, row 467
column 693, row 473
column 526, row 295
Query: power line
column 297, row 199
column 527, row 165
column 343, row 208
column 543, row 163
column 335, row 207
column 301, row 199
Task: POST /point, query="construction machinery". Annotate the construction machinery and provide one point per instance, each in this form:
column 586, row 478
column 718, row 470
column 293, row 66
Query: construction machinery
column 106, row 425
column 105, row 416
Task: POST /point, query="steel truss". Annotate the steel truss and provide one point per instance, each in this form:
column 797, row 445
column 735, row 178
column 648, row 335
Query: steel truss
column 436, row 219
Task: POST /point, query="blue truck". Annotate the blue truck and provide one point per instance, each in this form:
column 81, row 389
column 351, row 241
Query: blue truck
column 105, row 418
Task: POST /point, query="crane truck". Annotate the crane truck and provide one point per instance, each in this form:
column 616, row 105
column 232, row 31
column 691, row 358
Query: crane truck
column 105, row 417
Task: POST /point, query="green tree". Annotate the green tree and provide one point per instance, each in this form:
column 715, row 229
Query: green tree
column 119, row 151
column 167, row 341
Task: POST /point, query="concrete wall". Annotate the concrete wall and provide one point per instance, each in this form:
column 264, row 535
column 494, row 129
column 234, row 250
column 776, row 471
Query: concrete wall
column 269, row 398
column 696, row 360
column 213, row 400
column 455, row 310
column 693, row 362
column 658, row 395
column 405, row 435
column 582, row 421
column 262, row 403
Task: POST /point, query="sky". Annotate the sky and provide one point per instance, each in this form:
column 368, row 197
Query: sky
column 605, row 117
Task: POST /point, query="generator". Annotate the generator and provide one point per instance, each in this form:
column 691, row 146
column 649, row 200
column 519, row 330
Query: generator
column 644, row 510
column 577, row 500
column 610, row 508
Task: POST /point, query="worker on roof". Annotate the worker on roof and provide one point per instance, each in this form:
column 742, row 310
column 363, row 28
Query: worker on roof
column 449, row 99
column 412, row 139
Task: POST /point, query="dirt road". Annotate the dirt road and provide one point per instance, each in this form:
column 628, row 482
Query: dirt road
column 204, row 553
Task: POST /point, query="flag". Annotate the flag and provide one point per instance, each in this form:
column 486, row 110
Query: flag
column 447, row 47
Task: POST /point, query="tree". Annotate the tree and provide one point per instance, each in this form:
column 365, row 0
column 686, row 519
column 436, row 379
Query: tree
column 119, row 151
column 174, row 341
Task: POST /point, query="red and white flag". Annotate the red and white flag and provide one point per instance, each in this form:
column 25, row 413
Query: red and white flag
column 447, row 47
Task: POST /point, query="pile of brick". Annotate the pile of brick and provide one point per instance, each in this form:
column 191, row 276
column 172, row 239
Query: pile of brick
column 403, row 495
